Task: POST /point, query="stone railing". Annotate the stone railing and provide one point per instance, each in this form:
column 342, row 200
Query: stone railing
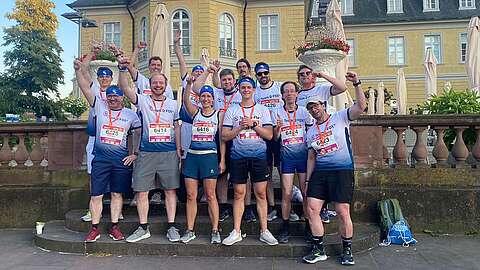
column 369, row 148
column 53, row 146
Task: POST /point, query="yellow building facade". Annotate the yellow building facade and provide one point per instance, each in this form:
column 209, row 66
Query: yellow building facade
column 261, row 30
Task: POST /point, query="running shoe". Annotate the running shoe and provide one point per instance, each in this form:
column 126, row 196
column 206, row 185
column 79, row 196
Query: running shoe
column 325, row 216
column 156, row 198
column 315, row 255
column 224, row 215
column 249, row 216
column 232, row 238
column 187, row 236
column 272, row 215
column 87, row 217
column 138, row 234
column 293, row 217
column 283, row 236
column 173, row 235
column 115, row 233
column 347, row 257
column 93, row 235
column 216, row 238
column 268, row 238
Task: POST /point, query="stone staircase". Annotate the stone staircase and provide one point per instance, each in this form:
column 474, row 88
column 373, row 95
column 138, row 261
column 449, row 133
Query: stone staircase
column 68, row 235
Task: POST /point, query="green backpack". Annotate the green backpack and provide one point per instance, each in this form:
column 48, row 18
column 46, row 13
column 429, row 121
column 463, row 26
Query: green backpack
column 390, row 213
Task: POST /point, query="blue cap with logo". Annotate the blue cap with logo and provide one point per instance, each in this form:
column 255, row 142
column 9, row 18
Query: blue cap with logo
column 259, row 67
column 114, row 90
column 247, row 80
column 206, row 89
column 197, row 68
column 104, row 71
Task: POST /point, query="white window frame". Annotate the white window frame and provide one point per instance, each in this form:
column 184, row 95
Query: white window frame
column 460, row 46
column 427, row 5
column 223, row 42
column 352, row 54
column 180, row 21
column 113, row 33
column 347, row 10
column 396, row 8
column 259, row 38
column 440, row 48
column 465, row 6
column 403, row 51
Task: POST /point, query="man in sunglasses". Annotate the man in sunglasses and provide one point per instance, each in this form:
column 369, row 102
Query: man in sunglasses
column 268, row 94
column 307, row 78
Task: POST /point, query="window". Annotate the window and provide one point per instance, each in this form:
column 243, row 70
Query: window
column 434, row 42
column 346, row 7
column 466, row 4
column 111, row 33
column 351, row 53
column 315, row 7
column 226, row 34
column 181, row 21
column 430, row 5
column 396, row 51
column 269, row 32
column 463, row 47
column 143, row 54
column 394, row 6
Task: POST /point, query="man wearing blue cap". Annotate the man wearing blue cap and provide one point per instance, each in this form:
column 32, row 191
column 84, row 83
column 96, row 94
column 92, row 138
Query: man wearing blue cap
column 248, row 125
column 111, row 167
column 268, row 94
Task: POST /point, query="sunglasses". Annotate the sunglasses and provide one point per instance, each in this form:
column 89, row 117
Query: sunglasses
column 263, row 73
column 305, row 73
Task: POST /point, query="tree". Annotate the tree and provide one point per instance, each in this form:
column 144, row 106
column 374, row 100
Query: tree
column 75, row 106
column 33, row 62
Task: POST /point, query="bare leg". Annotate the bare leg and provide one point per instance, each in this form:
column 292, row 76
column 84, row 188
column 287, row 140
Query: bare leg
column 171, row 204
column 287, row 184
column 222, row 188
column 96, row 207
column 192, row 192
column 115, row 206
column 314, row 206
column 209, row 189
column 238, row 205
column 345, row 225
column 303, row 189
column 248, row 193
column 260, row 190
column 142, row 206
column 270, row 194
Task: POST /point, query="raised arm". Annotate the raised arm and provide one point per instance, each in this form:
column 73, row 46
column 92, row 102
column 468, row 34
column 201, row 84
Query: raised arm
column 83, row 84
column 215, row 75
column 123, row 63
column 179, row 53
column 191, row 108
column 131, row 67
column 360, row 103
column 338, row 85
column 200, row 81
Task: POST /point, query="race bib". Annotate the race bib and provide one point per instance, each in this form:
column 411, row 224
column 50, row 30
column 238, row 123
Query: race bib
column 203, row 132
column 111, row 134
column 147, row 91
column 325, row 143
column 159, row 133
column 270, row 103
column 290, row 136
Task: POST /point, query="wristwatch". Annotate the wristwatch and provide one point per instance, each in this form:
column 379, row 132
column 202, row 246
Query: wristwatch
column 254, row 125
column 357, row 83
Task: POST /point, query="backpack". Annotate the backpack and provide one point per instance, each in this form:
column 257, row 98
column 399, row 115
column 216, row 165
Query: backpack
column 395, row 229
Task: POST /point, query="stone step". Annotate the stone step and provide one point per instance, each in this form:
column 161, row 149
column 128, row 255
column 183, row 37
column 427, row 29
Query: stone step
column 56, row 237
column 158, row 224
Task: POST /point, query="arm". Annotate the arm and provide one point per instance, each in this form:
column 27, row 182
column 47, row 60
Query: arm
column 338, row 85
column 131, row 68
column 95, row 48
column 277, row 127
column 264, row 132
column 310, row 163
column 179, row 54
column 191, row 108
column 361, row 102
column 83, row 84
column 123, row 62
column 178, row 139
column 223, row 145
column 128, row 160
column 200, row 81
column 215, row 76
column 229, row 133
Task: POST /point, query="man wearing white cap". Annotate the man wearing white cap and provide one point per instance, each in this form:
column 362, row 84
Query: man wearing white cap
column 330, row 170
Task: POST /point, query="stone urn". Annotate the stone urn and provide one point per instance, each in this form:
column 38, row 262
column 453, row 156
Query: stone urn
column 323, row 60
column 95, row 64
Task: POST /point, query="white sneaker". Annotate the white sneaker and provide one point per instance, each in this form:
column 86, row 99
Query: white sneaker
column 293, row 217
column 133, row 202
column 120, row 217
column 296, row 194
column 272, row 215
column 87, row 217
column 268, row 238
column 232, row 238
column 156, row 198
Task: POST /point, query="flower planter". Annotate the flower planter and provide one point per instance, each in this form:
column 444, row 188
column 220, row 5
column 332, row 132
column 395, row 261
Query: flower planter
column 95, row 64
column 323, row 60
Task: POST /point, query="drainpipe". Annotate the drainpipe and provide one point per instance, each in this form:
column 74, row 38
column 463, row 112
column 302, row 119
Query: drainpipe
column 133, row 27
column 245, row 3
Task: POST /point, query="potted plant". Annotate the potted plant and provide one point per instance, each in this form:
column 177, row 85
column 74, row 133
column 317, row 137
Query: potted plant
column 103, row 57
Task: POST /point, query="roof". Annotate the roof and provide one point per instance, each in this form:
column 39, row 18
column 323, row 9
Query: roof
column 375, row 11
column 97, row 3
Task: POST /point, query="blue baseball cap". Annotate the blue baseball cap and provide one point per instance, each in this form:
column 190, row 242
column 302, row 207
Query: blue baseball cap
column 114, row 90
column 262, row 67
column 206, row 89
column 247, row 80
column 104, row 71
column 197, row 67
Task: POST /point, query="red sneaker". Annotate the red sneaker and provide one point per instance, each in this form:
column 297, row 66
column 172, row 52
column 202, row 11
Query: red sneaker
column 115, row 233
column 93, row 235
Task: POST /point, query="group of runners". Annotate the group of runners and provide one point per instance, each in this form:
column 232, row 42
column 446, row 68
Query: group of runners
column 235, row 130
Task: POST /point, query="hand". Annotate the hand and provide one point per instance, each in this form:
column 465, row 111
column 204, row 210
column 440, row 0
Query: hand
column 248, row 121
column 216, row 63
column 77, row 64
column 190, row 79
column 212, row 68
column 128, row 160
column 177, row 37
column 113, row 48
column 179, row 152
column 318, row 74
column 96, row 46
column 123, row 60
column 222, row 167
column 279, row 122
column 142, row 45
column 244, row 123
column 351, row 76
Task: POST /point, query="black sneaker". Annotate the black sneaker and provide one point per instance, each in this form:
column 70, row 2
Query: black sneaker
column 225, row 214
column 283, row 236
column 315, row 255
column 347, row 257
column 249, row 216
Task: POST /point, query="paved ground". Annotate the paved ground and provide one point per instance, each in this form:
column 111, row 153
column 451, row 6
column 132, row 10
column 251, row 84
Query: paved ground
column 445, row 252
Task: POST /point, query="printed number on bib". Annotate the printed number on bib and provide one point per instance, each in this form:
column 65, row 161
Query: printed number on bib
column 147, row 91
column 270, row 103
column 249, row 134
column 111, row 134
column 203, row 132
column 325, row 143
column 290, row 136
column 159, row 133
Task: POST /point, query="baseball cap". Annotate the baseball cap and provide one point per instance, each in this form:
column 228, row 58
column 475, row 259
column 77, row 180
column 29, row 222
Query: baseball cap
column 259, row 67
column 114, row 90
column 206, row 89
column 247, row 80
column 316, row 99
column 197, row 67
column 104, row 71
